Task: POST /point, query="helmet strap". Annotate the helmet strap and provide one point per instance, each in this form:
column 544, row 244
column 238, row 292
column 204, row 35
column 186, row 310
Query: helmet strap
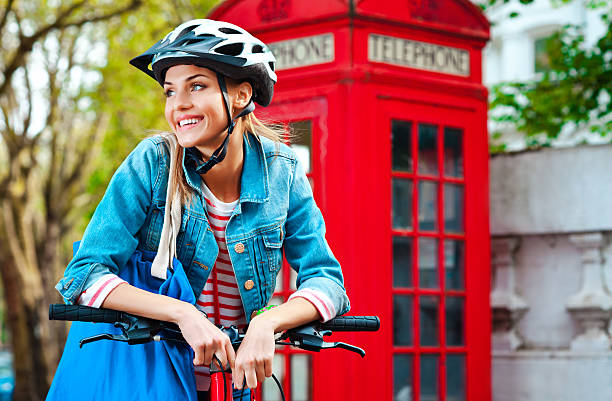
column 219, row 154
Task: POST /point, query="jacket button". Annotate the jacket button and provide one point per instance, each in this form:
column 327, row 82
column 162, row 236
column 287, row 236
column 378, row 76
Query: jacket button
column 249, row 284
column 239, row 248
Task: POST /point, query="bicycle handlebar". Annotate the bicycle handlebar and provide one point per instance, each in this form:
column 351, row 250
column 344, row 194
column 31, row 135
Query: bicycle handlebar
column 83, row 313
column 138, row 330
column 351, row 323
column 80, row 313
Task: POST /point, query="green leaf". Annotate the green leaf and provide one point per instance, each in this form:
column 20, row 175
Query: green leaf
column 566, row 94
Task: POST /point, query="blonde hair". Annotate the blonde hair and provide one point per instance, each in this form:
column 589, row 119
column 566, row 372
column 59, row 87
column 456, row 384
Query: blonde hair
column 249, row 123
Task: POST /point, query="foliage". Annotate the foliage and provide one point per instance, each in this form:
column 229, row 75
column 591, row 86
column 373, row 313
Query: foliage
column 573, row 94
column 71, row 108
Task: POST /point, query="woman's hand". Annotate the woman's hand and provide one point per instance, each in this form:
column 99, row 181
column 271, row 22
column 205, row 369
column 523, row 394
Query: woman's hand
column 205, row 338
column 255, row 355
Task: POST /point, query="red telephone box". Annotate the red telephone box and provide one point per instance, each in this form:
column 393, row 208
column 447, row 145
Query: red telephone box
column 388, row 102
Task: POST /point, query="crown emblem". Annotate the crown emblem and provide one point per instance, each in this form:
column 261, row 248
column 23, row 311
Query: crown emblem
column 424, row 9
column 273, row 10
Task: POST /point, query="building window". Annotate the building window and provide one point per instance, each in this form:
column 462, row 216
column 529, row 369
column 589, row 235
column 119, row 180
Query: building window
column 542, row 45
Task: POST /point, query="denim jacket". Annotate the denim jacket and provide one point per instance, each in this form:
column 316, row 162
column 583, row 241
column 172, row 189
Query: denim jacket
column 276, row 211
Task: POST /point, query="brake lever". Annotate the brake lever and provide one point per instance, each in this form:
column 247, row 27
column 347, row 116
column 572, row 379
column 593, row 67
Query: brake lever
column 135, row 330
column 309, row 338
column 105, row 336
column 345, row 346
column 132, row 337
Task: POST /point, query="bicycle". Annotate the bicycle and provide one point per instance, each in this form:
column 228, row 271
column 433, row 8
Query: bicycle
column 139, row 330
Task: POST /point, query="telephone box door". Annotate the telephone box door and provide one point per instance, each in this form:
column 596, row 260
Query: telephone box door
column 435, row 228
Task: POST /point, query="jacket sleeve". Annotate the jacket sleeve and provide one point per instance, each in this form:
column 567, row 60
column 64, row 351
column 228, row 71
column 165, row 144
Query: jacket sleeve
column 306, row 248
column 110, row 237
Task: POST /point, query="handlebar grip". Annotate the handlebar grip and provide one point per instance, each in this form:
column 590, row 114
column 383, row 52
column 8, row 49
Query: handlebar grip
column 352, row 323
column 83, row 314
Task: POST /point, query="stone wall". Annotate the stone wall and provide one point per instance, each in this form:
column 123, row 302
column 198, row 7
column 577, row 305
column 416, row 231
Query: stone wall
column 551, row 227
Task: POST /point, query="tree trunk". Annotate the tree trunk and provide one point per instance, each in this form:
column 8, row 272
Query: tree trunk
column 51, row 271
column 34, row 340
column 35, row 353
column 19, row 319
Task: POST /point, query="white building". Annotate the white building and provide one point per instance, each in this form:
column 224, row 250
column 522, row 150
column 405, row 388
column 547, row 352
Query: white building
column 551, row 227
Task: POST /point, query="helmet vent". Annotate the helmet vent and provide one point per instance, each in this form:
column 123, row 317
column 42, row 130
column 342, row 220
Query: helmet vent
column 271, row 64
column 257, row 49
column 233, row 49
column 186, row 31
column 229, row 31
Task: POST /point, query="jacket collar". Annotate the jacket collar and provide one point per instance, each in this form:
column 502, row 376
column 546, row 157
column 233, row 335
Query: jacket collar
column 254, row 185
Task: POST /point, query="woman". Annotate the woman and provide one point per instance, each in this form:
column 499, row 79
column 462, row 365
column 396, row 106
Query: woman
column 244, row 197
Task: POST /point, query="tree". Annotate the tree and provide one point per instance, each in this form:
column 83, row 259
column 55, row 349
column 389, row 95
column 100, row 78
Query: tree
column 47, row 134
column 71, row 108
column 573, row 93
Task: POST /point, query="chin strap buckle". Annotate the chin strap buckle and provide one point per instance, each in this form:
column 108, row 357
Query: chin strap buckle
column 219, row 154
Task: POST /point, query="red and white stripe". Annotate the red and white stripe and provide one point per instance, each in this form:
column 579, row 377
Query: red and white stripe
column 99, row 290
column 320, row 301
column 220, row 298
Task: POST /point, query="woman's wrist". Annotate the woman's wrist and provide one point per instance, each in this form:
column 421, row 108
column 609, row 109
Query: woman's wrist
column 182, row 311
column 130, row 299
column 292, row 313
column 267, row 321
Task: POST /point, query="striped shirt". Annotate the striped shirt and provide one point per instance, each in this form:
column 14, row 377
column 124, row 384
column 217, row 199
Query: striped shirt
column 220, row 298
column 99, row 290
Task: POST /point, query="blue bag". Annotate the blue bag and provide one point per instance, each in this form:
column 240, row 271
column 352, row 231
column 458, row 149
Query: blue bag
column 111, row 370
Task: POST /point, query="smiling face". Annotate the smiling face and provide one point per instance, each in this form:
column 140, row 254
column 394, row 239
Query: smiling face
column 194, row 107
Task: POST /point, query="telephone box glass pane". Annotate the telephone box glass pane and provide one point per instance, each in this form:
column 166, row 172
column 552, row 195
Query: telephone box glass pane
column 454, row 321
column 428, row 263
column 428, row 206
column 300, row 377
column 402, row 320
column 429, row 377
column 402, row 204
column 301, row 142
column 402, row 378
column 428, row 307
column 428, row 149
column 269, row 391
column 453, row 152
column 401, row 145
column 455, row 377
column 454, row 265
column 453, row 208
column 402, row 262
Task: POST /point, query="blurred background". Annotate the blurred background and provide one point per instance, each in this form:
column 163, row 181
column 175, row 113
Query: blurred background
column 72, row 109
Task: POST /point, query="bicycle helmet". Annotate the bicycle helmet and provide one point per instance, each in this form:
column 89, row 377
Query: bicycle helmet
column 224, row 48
column 220, row 46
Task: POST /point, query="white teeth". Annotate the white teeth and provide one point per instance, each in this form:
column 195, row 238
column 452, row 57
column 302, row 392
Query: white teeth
column 188, row 121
